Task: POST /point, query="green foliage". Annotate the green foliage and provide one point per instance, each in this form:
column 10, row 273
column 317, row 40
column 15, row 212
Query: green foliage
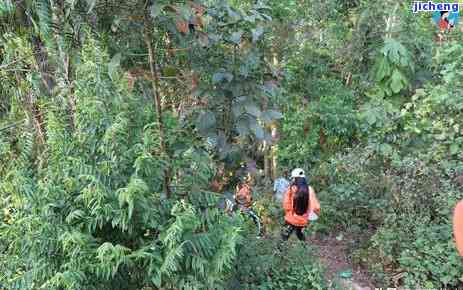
column 432, row 245
column 365, row 100
column 260, row 266
column 331, row 112
column 91, row 215
column 393, row 68
column 297, row 147
column 430, row 117
column 89, row 210
column 6, row 7
column 352, row 199
column 239, row 96
column 407, row 202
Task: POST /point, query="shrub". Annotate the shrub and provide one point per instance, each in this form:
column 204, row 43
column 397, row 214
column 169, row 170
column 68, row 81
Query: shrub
column 261, row 266
column 406, row 204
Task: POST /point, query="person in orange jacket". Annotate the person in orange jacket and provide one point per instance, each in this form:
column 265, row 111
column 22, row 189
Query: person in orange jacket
column 300, row 204
column 243, row 196
column 458, row 226
column 244, row 200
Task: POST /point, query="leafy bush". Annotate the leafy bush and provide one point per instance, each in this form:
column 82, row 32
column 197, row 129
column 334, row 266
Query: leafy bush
column 90, row 214
column 261, row 266
column 352, row 188
column 406, row 205
column 327, row 122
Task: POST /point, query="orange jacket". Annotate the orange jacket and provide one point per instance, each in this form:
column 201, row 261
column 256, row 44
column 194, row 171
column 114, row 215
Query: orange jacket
column 290, row 216
column 443, row 24
column 244, row 196
column 458, row 226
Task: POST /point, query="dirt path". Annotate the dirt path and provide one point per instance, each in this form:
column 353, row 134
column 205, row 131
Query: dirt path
column 332, row 253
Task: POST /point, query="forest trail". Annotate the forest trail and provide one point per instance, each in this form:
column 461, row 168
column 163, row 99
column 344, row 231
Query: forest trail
column 332, row 253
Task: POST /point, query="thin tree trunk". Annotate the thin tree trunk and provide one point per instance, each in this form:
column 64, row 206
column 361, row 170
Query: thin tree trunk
column 41, row 58
column 155, row 86
column 228, row 105
column 273, row 150
column 322, row 138
column 274, row 132
column 267, row 167
column 72, row 98
column 42, row 66
column 58, row 16
column 157, row 101
column 391, row 22
column 36, row 118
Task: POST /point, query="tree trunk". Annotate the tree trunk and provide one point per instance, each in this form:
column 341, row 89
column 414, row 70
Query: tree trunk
column 71, row 99
column 391, row 21
column 41, row 58
column 157, row 101
column 273, row 151
column 58, row 16
column 322, row 138
column 267, row 163
column 36, row 118
column 42, row 65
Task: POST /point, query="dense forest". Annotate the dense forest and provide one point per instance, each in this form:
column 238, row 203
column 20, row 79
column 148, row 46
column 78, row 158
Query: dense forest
column 124, row 125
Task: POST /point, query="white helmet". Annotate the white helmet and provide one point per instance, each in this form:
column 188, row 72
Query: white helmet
column 298, row 172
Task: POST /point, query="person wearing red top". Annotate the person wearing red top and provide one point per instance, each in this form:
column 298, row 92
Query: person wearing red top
column 243, row 196
column 444, row 23
column 458, row 226
column 244, row 201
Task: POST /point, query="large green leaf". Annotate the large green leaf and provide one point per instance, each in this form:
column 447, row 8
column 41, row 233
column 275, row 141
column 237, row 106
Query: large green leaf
column 385, row 149
column 391, row 49
column 156, row 279
column 114, row 64
column 275, row 114
column 259, row 132
column 256, row 33
column 256, row 128
column 185, row 12
column 236, row 37
column 233, row 15
column 270, row 115
column 383, row 69
column 206, row 121
column 397, row 81
column 220, row 76
column 91, row 5
column 156, row 9
column 237, row 109
column 371, row 118
column 253, row 110
column 242, row 126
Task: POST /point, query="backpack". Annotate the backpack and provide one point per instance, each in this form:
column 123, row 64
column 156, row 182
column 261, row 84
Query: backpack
column 280, row 187
column 301, row 196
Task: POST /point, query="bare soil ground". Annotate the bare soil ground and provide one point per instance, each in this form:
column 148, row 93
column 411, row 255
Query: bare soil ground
column 332, row 253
